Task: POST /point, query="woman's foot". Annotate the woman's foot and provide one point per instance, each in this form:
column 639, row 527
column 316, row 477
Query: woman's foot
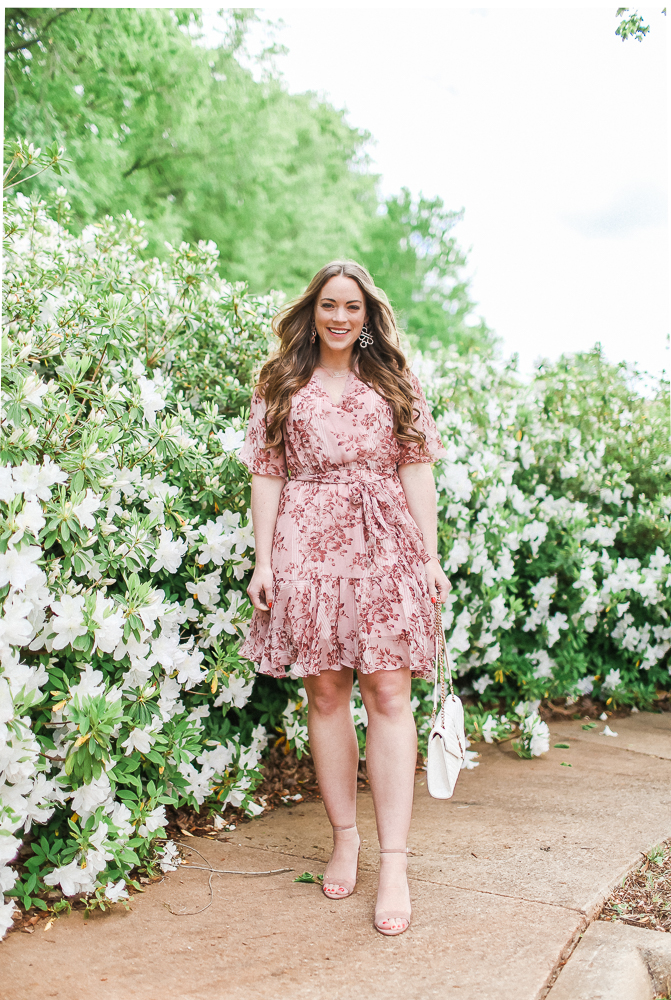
column 341, row 871
column 392, row 911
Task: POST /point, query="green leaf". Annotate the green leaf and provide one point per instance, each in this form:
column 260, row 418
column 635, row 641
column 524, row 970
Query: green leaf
column 562, row 746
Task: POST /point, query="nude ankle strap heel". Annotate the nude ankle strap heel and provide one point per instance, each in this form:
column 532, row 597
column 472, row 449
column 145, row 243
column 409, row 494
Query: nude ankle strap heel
column 386, row 916
column 342, row 883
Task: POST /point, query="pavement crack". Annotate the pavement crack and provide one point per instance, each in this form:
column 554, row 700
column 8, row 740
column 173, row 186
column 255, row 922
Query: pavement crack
column 614, row 746
column 504, row 895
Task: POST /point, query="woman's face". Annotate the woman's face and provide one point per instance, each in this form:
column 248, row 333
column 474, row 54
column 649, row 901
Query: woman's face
column 340, row 312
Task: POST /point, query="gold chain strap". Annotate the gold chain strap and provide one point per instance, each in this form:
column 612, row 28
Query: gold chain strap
column 442, row 665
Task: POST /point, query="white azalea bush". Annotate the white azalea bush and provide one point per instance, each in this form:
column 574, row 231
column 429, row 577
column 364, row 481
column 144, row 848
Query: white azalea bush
column 125, row 539
column 554, row 528
column 126, row 546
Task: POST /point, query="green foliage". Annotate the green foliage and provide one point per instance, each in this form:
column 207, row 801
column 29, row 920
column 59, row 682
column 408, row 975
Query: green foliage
column 182, row 136
column 411, row 252
column 632, row 26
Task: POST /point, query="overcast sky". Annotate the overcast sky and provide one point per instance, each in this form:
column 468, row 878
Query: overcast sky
column 545, row 127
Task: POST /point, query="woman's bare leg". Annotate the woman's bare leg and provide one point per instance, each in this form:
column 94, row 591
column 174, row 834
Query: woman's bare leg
column 391, row 757
column 335, row 751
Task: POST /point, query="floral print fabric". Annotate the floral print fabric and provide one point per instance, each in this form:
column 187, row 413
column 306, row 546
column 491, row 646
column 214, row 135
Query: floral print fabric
column 348, row 559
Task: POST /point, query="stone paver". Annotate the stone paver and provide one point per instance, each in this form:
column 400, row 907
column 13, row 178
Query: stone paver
column 504, row 879
column 616, row 962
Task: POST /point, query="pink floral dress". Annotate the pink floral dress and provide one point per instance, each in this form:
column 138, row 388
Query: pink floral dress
column 348, row 559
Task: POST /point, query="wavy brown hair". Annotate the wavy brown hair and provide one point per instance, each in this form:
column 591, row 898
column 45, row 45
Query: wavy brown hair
column 382, row 365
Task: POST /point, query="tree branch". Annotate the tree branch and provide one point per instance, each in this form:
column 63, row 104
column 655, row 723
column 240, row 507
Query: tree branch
column 33, row 41
column 156, row 159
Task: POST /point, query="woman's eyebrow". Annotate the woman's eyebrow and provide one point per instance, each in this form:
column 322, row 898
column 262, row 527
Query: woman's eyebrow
column 350, row 302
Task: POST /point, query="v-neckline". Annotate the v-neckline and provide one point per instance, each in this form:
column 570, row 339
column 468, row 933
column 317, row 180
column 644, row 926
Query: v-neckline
column 323, row 388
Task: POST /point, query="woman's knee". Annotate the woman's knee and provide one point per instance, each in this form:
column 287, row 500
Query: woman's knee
column 387, row 694
column 329, row 692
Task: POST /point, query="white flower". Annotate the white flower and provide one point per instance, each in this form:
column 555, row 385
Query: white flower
column 91, row 684
column 116, row 892
column 7, row 908
column 74, row 878
column 86, row 508
column 30, row 519
column 219, row 758
column 15, row 626
column 153, row 821
column 68, row 622
column 109, row 622
column 544, row 664
column 469, row 761
column 139, row 739
column 230, row 439
column 221, row 620
column 9, row 848
column 26, row 477
column 18, row 567
column 237, row 692
column 8, row 487
column 33, row 389
column 585, row 685
column 553, row 625
column 482, row 682
column 219, row 541
column 7, row 878
column 35, row 481
column 537, row 735
column 206, row 590
column 87, row 798
column 150, row 399
column 169, row 857
column 611, row 680
column 600, row 535
column 169, row 553
column 489, row 725
column 455, row 481
column 534, row 532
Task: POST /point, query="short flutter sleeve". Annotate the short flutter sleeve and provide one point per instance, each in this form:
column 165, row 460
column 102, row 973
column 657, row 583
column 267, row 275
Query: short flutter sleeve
column 261, row 460
column 411, row 453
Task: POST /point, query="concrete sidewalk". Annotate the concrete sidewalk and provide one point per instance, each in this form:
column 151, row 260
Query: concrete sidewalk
column 504, row 879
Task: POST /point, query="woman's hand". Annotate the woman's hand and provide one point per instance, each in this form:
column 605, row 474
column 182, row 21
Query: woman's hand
column 439, row 585
column 260, row 590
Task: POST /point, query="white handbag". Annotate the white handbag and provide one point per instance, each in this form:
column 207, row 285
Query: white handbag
column 447, row 740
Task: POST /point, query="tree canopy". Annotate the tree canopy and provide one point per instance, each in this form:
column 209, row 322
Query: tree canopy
column 183, row 136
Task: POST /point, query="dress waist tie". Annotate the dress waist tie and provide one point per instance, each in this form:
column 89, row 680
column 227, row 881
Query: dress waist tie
column 381, row 511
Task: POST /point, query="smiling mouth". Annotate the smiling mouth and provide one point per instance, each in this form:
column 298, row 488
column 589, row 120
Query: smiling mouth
column 337, row 332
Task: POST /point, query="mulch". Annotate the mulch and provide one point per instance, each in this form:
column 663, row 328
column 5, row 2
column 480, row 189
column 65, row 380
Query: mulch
column 644, row 898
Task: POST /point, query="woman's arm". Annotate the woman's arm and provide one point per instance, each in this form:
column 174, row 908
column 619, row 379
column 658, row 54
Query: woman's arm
column 420, row 493
column 265, row 502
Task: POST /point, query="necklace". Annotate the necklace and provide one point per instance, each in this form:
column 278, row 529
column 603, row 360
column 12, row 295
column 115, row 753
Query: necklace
column 336, row 374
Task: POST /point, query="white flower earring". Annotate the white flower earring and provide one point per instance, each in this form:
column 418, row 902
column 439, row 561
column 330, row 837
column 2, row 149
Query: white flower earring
column 365, row 338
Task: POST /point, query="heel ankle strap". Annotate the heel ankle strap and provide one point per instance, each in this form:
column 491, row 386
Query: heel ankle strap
column 395, row 850
column 341, row 829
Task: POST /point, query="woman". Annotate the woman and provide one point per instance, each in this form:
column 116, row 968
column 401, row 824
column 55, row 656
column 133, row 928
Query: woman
column 339, row 444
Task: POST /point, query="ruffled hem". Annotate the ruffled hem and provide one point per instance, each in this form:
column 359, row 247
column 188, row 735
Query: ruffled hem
column 367, row 624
